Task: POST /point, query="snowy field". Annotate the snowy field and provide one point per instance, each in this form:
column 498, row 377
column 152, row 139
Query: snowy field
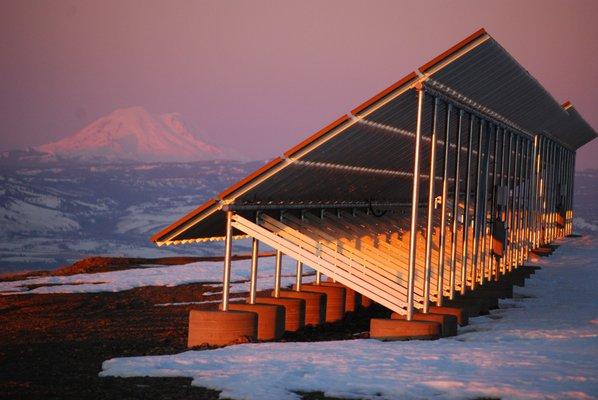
column 116, row 281
column 542, row 344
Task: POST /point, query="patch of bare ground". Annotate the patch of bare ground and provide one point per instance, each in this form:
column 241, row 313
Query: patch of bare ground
column 52, row 345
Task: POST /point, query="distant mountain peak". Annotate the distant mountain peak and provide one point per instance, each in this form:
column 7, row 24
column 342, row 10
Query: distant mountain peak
column 135, row 134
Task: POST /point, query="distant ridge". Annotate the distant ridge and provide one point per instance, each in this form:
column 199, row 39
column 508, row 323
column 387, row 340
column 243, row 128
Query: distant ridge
column 135, row 134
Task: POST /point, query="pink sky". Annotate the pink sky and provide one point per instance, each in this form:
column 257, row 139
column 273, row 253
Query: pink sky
column 262, row 75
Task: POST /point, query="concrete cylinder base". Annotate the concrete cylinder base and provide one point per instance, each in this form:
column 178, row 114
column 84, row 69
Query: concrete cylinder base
column 294, row 310
column 351, row 296
column 398, row 329
column 315, row 305
column 462, row 319
column 335, row 300
column 270, row 319
column 448, row 323
column 219, row 328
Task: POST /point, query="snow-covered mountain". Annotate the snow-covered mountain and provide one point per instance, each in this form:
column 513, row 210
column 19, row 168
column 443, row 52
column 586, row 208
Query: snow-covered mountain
column 135, row 134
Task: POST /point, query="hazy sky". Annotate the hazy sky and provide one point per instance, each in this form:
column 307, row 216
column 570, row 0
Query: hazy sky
column 261, row 75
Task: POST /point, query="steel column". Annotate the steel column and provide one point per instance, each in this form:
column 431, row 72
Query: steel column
column 414, row 203
column 476, row 207
column 522, row 196
column 228, row 242
column 466, row 210
column 442, row 238
column 494, row 203
column 457, row 184
column 572, row 189
column 534, row 194
column 253, row 280
column 507, row 207
column 512, row 217
column 504, row 183
column 299, row 278
column 484, row 236
column 519, row 214
column 527, row 199
column 277, row 273
column 431, row 184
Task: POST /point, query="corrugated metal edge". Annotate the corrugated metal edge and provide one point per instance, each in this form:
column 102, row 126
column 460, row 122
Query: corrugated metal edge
column 439, row 58
column 293, row 150
column 183, row 220
column 384, row 93
column 268, row 166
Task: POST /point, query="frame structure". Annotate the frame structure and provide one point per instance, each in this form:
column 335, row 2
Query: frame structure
column 442, row 182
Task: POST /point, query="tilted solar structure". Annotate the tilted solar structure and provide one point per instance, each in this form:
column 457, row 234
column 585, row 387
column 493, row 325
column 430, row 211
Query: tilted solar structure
column 433, row 190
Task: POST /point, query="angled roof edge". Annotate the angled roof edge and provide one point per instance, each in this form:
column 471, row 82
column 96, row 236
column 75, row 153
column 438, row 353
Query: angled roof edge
column 155, row 237
column 454, row 49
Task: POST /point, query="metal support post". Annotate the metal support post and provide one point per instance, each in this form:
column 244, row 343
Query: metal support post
column 299, row 279
column 533, row 195
column 466, row 210
column 476, row 207
column 254, row 260
column 429, row 226
column 442, row 239
column 504, row 184
column 512, row 205
column 454, row 230
column 484, row 216
column 277, row 273
column 228, row 244
column 494, row 203
column 414, row 204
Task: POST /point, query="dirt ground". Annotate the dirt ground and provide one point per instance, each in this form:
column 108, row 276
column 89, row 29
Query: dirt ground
column 52, row 345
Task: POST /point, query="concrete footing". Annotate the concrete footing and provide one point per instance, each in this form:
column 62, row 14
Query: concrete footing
column 270, row 319
column 315, row 305
column 294, row 311
column 397, row 329
column 448, row 323
column 219, row 328
column 335, row 300
column 457, row 312
column 351, row 296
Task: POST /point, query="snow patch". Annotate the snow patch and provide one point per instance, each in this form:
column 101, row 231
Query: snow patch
column 543, row 347
column 117, row 281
